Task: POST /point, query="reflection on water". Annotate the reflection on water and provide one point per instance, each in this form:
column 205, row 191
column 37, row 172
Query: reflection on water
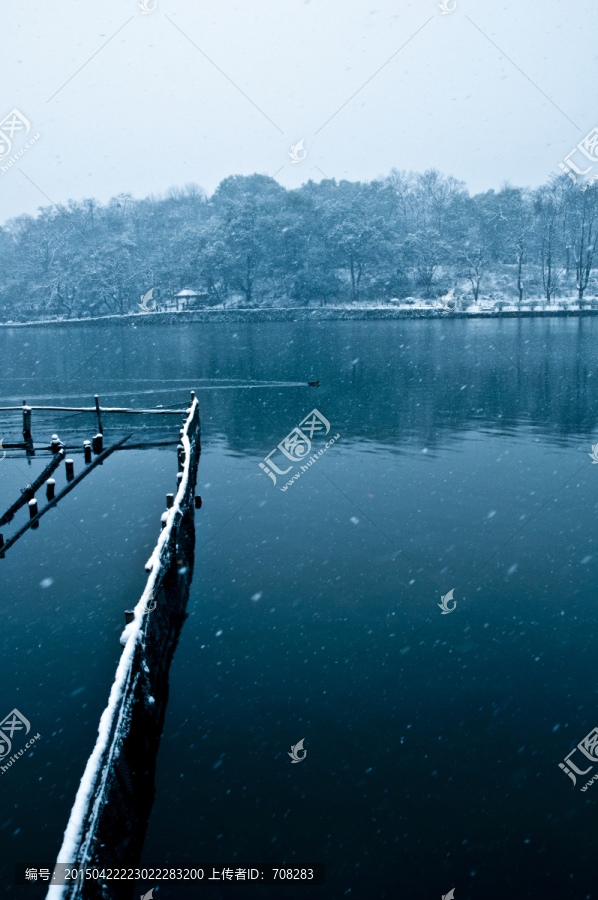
column 433, row 741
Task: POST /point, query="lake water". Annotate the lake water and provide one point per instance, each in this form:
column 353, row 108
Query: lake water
column 433, row 741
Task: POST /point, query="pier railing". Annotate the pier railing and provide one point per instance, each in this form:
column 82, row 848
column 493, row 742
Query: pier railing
column 97, row 409
column 107, row 825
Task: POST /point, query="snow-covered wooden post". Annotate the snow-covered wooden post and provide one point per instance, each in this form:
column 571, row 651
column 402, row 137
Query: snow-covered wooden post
column 26, row 420
column 70, row 469
column 87, row 451
column 50, row 488
column 98, row 443
column 169, row 501
column 33, row 512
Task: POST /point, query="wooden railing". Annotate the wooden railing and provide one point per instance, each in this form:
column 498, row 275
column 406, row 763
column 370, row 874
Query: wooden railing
column 107, row 825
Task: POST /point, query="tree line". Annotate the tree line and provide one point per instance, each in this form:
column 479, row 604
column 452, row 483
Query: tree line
column 254, row 243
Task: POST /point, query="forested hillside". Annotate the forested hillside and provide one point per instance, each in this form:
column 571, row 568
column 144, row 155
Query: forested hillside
column 254, row 243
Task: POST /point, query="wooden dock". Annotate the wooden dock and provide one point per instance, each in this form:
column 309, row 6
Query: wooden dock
column 107, row 825
column 34, row 515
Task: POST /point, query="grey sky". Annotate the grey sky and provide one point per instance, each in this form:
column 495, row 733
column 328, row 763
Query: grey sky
column 150, row 110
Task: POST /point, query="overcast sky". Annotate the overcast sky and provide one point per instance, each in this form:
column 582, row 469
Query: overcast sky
column 493, row 91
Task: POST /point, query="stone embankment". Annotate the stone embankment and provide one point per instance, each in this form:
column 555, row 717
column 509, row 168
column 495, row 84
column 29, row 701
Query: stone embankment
column 299, row 314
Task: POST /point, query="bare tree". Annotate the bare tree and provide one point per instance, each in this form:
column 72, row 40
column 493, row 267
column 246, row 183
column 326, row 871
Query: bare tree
column 585, row 235
column 549, row 206
column 516, row 228
column 479, row 245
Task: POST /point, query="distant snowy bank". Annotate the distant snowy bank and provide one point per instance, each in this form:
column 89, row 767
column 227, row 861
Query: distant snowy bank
column 396, row 310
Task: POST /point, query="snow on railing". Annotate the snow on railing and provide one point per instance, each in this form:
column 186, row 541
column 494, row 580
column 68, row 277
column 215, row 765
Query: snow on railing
column 114, row 723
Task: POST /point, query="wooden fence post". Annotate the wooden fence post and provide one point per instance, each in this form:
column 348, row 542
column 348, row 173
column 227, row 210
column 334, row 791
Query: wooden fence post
column 26, row 420
column 33, row 512
column 100, row 429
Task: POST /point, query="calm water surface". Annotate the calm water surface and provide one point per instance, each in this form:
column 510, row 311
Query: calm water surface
column 433, row 741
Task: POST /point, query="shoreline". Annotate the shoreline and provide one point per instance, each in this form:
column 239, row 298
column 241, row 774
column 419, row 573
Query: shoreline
column 296, row 314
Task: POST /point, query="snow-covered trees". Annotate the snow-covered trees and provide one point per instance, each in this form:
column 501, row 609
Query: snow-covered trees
column 253, row 243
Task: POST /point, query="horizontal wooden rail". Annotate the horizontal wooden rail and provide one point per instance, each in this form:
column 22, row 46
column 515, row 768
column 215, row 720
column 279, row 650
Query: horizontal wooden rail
column 104, row 409
column 76, row 448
